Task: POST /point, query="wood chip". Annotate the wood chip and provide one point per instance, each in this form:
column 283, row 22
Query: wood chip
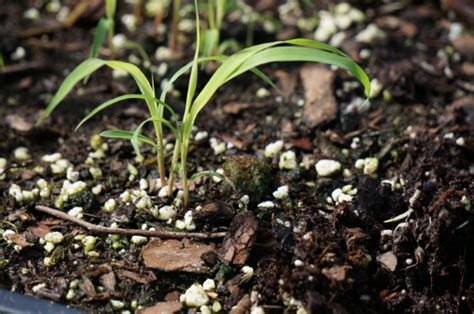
column 320, row 103
column 286, row 82
column 18, row 123
column 239, row 240
column 336, row 273
column 463, row 8
column 243, row 306
column 163, row 308
column 388, row 261
column 108, row 280
column 465, row 45
column 174, row 255
column 87, row 286
column 214, row 213
column 235, row 107
column 401, row 27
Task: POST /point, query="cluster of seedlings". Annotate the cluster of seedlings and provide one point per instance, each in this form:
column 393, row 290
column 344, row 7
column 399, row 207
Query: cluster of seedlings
column 172, row 187
column 242, row 61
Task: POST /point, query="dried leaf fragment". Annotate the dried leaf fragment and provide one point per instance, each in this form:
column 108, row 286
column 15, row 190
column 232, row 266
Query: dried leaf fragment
column 320, row 103
column 174, row 255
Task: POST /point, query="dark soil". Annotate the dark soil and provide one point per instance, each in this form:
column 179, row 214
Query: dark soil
column 305, row 252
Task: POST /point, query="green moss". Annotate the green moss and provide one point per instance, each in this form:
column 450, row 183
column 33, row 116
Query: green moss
column 250, row 176
column 83, row 199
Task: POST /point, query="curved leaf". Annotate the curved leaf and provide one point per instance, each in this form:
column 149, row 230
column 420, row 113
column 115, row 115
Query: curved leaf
column 211, row 174
column 127, row 135
column 82, row 71
column 107, row 104
column 99, row 36
column 136, row 133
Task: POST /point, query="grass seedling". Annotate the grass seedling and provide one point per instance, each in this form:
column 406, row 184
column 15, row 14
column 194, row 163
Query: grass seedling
column 248, row 59
column 104, row 29
column 155, row 107
column 211, row 36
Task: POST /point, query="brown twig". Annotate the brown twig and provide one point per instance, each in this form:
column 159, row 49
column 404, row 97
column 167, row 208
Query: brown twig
column 21, row 67
column 108, row 230
column 72, row 18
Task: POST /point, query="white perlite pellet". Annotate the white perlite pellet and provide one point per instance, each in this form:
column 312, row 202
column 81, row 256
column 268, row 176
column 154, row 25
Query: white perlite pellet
column 21, row 154
column 281, row 192
column 195, row 296
column 287, row 160
column 327, row 167
column 273, row 149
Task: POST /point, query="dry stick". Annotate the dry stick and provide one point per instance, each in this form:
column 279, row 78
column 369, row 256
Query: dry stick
column 72, row 18
column 108, row 230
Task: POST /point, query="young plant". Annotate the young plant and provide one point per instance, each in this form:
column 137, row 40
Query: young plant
column 105, row 28
column 294, row 50
column 211, row 36
column 155, row 107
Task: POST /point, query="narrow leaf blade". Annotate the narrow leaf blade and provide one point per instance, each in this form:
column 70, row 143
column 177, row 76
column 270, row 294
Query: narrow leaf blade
column 83, row 70
column 127, row 135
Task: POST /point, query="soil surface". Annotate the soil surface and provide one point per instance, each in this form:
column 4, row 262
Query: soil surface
column 390, row 231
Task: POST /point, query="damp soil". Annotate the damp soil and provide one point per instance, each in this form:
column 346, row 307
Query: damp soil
column 306, row 251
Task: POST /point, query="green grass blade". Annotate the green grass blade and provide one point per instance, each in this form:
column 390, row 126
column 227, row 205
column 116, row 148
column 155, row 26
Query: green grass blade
column 145, row 88
column 209, row 40
column 99, row 36
column 118, row 99
column 187, row 66
column 220, row 12
column 210, row 14
column 136, row 73
column 218, row 79
column 127, row 135
column 316, row 45
column 136, row 133
column 194, row 69
column 264, row 78
column 230, row 43
column 107, row 104
column 110, row 7
column 85, row 69
column 302, row 54
column 129, row 44
column 183, row 71
column 211, row 174
column 255, row 56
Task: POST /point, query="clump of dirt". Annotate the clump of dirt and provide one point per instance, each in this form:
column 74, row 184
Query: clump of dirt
column 249, row 176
